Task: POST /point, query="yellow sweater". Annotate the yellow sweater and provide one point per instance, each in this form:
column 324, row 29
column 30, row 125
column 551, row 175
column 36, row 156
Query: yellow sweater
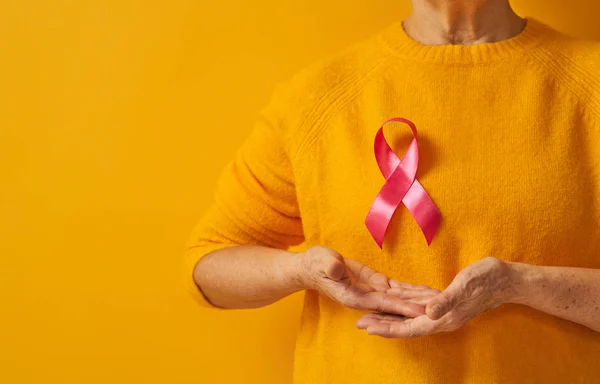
column 509, row 140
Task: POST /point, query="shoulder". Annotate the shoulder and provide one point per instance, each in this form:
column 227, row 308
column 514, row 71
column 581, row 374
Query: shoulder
column 575, row 63
column 320, row 88
column 582, row 56
column 583, row 52
column 336, row 70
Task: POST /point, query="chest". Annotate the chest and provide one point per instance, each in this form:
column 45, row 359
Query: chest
column 521, row 189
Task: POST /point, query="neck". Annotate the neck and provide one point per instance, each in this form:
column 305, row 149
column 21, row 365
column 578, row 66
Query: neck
column 466, row 22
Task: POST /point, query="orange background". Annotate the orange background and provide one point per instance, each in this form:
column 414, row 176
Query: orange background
column 116, row 118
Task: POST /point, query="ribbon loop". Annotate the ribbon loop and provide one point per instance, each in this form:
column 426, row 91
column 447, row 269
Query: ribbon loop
column 401, row 186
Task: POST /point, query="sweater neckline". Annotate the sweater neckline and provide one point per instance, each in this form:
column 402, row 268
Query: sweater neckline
column 400, row 43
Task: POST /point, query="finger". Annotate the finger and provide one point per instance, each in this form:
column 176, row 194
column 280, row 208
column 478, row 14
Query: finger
column 374, row 318
column 365, row 321
column 378, row 287
column 385, row 316
column 379, row 279
column 375, row 315
column 421, row 300
column 366, row 274
column 416, row 327
column 363, row 289
column 446, row 301
column 359, row 270
column 356, row 266
column 407, row 293
column 381, row 302
column 399, row 284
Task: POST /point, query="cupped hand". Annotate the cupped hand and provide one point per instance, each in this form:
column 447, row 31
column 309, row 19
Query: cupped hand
column 360, row 287
column 481, row 286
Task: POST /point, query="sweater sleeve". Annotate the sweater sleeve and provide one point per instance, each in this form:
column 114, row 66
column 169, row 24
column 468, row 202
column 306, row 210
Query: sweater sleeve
column 255, row 198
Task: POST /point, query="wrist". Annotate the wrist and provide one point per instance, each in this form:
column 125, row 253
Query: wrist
column 524, row 280
column 298, row 271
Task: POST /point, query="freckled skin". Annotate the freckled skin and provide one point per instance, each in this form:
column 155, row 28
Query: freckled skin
column 569, row 293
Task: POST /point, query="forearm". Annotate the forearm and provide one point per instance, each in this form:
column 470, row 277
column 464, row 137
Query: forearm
column 248, row 276
column 569, row 293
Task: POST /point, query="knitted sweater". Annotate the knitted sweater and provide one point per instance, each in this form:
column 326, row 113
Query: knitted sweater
column 509, row 142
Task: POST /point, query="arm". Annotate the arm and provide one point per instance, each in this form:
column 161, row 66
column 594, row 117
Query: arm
column 569, row 293
column 248, row 276
column 241, row 242
column 254, row 276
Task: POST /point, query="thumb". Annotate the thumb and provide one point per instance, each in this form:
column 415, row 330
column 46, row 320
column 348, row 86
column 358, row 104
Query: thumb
column 444, row 302
column 335, row 269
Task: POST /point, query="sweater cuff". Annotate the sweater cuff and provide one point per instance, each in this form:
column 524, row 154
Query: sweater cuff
column 192, row 257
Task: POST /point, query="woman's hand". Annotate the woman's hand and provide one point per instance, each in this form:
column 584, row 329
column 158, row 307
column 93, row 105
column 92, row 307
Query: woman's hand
column 481, row 286
column 357, row 286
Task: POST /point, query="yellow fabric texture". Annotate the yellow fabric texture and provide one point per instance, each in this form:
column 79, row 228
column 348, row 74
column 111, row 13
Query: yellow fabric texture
column 509, row 140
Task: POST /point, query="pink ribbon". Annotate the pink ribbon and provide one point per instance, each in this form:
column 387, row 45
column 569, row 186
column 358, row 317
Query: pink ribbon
column 400, row 186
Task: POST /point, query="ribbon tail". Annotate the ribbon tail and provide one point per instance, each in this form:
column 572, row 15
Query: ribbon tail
column 387, row 201
column 424, row 211
column 378, row 220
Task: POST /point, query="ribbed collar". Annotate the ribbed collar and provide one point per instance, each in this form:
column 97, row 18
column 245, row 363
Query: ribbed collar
column 400, row 43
